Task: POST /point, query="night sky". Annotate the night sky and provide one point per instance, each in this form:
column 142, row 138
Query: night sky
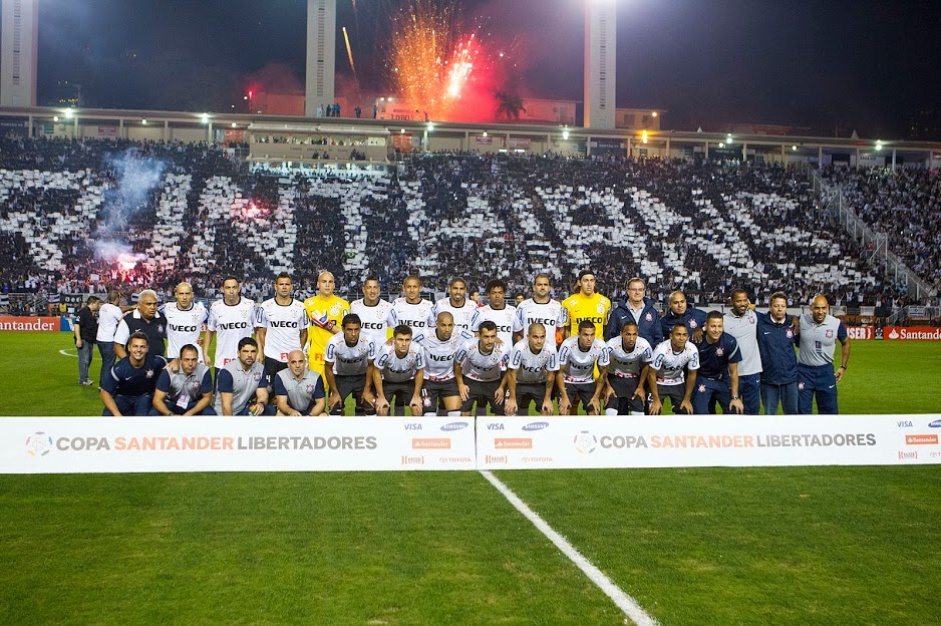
column 832, row 65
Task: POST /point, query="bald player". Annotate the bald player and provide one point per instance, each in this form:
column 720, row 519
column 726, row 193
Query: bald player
column 186, row 321
column 819, row 332
column 326, row 311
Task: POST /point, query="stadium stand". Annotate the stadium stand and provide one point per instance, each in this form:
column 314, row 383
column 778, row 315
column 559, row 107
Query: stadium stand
column 700, row 226
column 905, row 205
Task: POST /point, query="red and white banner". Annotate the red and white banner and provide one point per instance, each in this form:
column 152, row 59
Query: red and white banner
column 915, row 333
column 860, row 332
column 14, row 323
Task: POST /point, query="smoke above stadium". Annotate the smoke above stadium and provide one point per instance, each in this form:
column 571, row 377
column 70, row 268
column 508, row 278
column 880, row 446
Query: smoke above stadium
column 135, row 178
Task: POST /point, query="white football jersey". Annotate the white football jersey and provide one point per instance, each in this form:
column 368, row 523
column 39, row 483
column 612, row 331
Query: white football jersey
column 628, row 364
column 184, row 327
column 549, row 314
column 532, row 367
column 503, row 318
column 374, row 319
column 394, row 369
column 349, row 360
column 439, row 355
column 416, row 315
column 230, row 324
column 671, row 364
column 581, row 363
column 462, row 315
column 283, row 324
column 478, row 365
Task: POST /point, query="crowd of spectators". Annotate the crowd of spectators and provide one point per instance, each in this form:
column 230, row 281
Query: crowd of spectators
column 905, row 205
column 703, row 227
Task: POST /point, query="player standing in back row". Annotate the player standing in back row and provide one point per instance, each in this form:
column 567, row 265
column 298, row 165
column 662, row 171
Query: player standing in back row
column 231, row 319
column 411, row 310
column 373, row 311
column 497, row 311
column 280, row 326
column 541, row 309
column 325, row 311
column 587, row 305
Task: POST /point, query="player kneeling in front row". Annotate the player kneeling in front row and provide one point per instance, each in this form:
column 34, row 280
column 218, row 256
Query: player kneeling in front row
column 717, row 377
column 531, row 373
column 666, row 377
column 297, row 389
column 629, row 355
column 242, row 385
column 478, row 366
column 398, row 374
column 348, row 365
column 129, row 389
column 186, row 391
column 578, row 357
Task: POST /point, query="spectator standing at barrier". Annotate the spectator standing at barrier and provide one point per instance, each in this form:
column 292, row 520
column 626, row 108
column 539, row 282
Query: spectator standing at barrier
column 679, row 312
column 440, row 383
column 325, row 310
column 479, row 367
column 86, row 330
column 630, row 356
column 742, row 323
column 583, row 361
column 231, row 319
column 717, row 377
column 411, row 309
column 280, row 326
column 186, row 391
column 672, row 372
column 819, row 332
column 146, row 319
column 298, row 389
column 373, row 311
column 399, row 374
column 531, row 372
column 186, row 319
column 777, row 337
column 109, row 316
column 497, row 311
column 242, row 388
column 129, row 387
column 348, row 368
column 638, row 307
column 587, row 304
column 541, row 309
column 457, row 304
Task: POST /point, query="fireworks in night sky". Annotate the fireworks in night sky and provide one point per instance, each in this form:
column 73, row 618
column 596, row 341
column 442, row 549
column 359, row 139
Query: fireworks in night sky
column 439, row 67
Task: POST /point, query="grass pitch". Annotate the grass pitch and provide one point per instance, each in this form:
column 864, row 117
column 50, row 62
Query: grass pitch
column 818, row 545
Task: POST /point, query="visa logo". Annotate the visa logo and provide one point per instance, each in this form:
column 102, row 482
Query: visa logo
column 494, row 426
column 412, row 426
column 905, row 424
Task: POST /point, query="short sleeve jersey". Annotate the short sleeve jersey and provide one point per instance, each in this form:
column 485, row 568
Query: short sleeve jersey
column 439, row 355
column 549, row 314
column 109, row 315
column 818, row 341
column 231, row 323
column 482, row 366
column 182, row 389
column 626, row 363
column 714, row 358
column 283, row 324
column 578, row 365
column 533, row 367
column 594, row 308
column 396, row 369
column 349, row 360
column 417, row 316
column 462, row 315
column 503, row 318
column 671, row 365
column 301, row 393
column 127, row 380
column 241, row 383
column 184, row 326
column 374, row 319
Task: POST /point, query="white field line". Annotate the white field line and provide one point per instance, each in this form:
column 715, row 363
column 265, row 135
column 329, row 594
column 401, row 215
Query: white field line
column 626, row 603
column 67, row 353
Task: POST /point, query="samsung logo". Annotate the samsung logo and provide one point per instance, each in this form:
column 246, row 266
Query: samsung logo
column 454, row 426
column 536, row 426
column 934, row 424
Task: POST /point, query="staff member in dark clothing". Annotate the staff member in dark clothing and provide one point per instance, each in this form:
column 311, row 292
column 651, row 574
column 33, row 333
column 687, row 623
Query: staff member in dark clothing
column 86, row 329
